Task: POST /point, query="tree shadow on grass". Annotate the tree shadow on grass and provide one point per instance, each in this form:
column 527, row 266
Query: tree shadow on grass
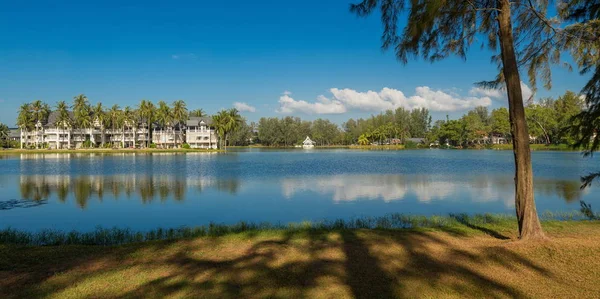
column 464, row 220
column 346, row 263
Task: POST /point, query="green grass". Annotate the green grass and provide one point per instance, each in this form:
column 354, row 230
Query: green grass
column 457, row 223
column 455, row 256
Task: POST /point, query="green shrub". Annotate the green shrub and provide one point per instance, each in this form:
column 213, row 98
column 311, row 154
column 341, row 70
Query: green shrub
column 410, row 144
column 185, row 146
column 87, row 144
column 152, row 145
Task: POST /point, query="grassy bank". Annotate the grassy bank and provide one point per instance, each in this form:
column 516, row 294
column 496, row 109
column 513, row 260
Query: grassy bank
column 102, row 151
column 377, row 147
column 455, row 256
column 536, row 147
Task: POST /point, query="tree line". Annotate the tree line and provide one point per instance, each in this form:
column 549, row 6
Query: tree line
column 549, row 121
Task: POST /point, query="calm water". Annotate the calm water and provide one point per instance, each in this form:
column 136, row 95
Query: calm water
column 145, row 191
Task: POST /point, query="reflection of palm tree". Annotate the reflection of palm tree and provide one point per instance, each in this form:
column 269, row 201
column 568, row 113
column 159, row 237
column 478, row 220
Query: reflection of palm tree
column 179, row 190
column 82, row 191
column 62, row 191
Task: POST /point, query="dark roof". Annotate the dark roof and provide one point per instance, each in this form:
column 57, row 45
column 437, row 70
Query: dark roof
column 195, row 121
column 14, row 133
column 53, row 116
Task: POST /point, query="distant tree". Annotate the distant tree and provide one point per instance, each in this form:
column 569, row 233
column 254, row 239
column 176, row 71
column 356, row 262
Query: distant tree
column 499, row 122
column 420, row 121
column 4, row 135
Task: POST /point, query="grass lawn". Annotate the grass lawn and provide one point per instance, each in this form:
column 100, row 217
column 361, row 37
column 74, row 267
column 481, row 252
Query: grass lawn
column 465, row 259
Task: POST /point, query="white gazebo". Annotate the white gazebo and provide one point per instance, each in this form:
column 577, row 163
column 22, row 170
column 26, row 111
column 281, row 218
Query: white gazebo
column 307, row 143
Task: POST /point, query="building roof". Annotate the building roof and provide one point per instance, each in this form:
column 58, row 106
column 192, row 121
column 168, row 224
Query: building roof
column 307, row 141
column 195, row 121
column 53, row 116
column 14, row 133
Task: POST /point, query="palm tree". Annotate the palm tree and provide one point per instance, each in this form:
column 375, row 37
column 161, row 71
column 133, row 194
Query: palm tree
column 180, row 115
column 164, row 116
column 100, row 118
column 197, row 113
column 220, row 123
column 114, row 116
column 25, row 122
column 80, row 109
column 362, row 140
column 85, row 121
column 40, row 114
column 63, row 121
column 234, row 122
column 147, row 111
column 129, row 120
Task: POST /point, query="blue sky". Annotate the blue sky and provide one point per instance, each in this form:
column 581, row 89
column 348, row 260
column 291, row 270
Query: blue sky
column 281, row 58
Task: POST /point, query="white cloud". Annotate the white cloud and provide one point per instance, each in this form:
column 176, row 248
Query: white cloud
column 500, row 93
column 388, row 98
column 244, row 107
column 324, row 106
column 492, row 93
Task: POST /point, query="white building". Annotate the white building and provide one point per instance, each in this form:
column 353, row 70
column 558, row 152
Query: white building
column 200, row 134
column 307, row 143
column 197, row 132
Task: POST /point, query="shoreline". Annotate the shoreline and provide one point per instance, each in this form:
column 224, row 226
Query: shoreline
column 104, row 151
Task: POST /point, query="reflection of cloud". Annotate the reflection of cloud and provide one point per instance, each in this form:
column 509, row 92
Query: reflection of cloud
column 484, row 189
column 348, row 188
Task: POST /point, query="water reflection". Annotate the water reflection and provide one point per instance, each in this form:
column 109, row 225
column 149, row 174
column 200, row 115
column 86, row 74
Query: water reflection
column 145, row 187
column 343, row 188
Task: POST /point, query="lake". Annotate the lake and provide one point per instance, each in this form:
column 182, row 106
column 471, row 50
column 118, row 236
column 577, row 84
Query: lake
column 146, row 191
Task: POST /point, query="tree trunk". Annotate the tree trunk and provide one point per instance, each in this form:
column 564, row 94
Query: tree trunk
column 527, row 217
